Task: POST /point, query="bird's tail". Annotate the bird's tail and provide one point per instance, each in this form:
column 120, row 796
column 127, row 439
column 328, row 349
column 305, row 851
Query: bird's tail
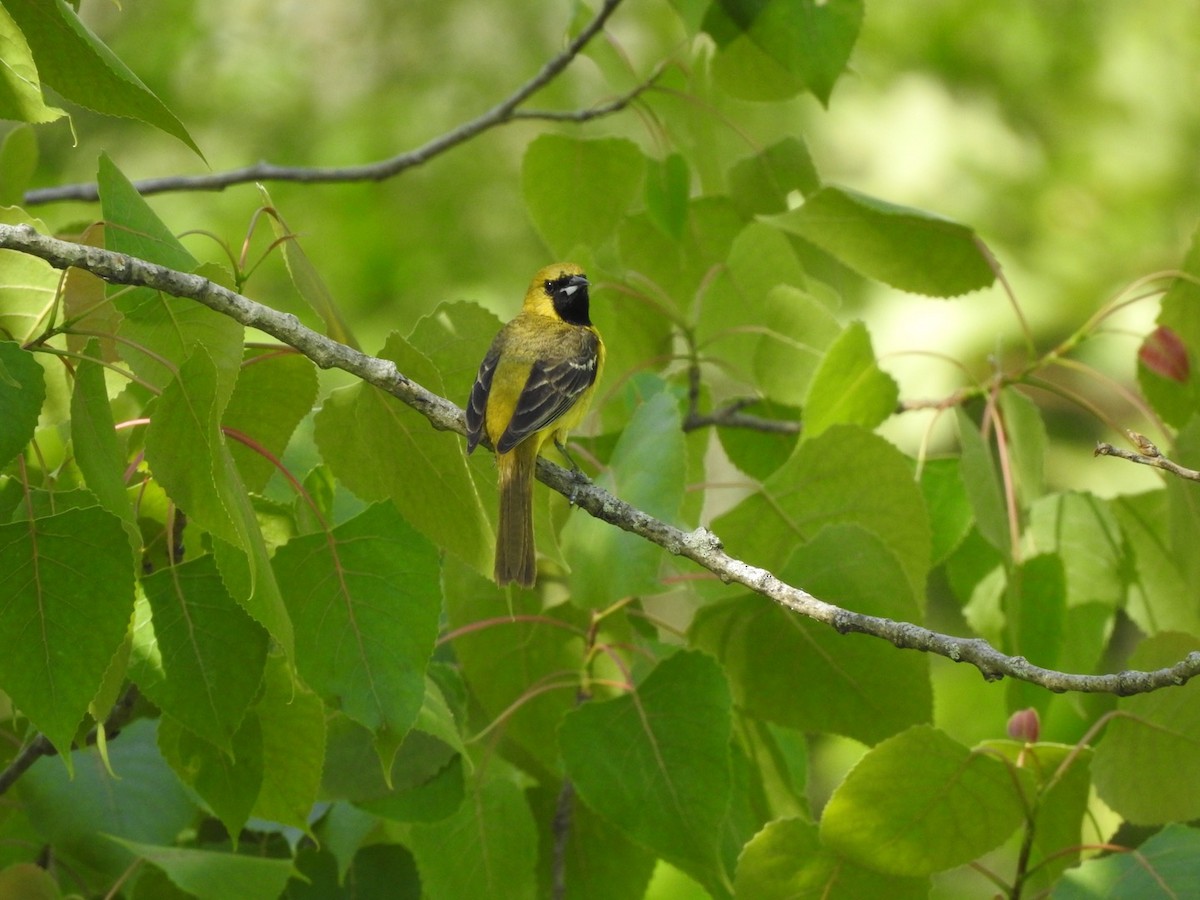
column 516, row 559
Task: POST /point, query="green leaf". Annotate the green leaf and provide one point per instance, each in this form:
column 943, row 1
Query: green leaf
column 18, row 152
column 646, row 469
column 920, row 803
column 667, row 193
column 98, row 453
column 949, row 510
column 291, row 720
column 273, row 394
column 849, row 387
column 759, row 453
column 853, row 685
column 1026, row 434
column 760, row 184
column 227, row 779
column 1036, row 608
column 380, row 449
column 188, row 455
column 488, row 848
column 977, row 467
column 52, row 657
column 1062, row 804
column 907, row 248
column 1160, row 598
column 1147, row 768
column 818, row 487
column 160, row 332
column 786, row 861
column 79, row 66
column 599, row 862
column 656, row 763
column 144, row 802
column 307, row 279
column 208, row 875
column 22, row 393
column 365, row 602
column 20, row 86
column 505, row 657
column 799, row 330
column 576, row 191
column 29, row 287
column 200, row 658
column 1166, row 865
column 807, row 38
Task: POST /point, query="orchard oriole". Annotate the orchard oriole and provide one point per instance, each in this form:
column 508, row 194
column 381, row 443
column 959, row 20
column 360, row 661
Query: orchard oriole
column 534, row 384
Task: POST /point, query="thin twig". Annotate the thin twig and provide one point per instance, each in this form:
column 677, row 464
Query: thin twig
column 1150, row 455
column 502, row 113
column 699, row 545
column 40, row 746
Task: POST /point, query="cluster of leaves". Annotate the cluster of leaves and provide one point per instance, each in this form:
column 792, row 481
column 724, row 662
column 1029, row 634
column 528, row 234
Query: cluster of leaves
column 279, row 588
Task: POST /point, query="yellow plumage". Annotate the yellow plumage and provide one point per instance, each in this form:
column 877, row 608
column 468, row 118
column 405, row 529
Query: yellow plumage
column 534, row 385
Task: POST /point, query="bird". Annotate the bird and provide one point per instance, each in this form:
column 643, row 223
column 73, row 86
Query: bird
column 535, row 384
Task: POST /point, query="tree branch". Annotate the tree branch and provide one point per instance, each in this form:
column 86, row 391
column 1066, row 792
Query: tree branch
column 700, row 545
column 1150, row 455
column 502, row 113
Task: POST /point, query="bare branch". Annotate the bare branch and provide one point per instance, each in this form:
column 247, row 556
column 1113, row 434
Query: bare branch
column 502, row 113
column 700, row 545
column 1150, row 455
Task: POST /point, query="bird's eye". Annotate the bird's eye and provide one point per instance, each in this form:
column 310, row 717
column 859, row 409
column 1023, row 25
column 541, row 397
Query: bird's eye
column 549, row 286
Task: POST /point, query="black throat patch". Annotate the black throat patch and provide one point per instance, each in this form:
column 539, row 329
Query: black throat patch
column 569, row 294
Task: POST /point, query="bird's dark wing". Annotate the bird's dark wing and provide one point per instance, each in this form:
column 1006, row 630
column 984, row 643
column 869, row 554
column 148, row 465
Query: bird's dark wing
column 477, row 404
column 552, row 389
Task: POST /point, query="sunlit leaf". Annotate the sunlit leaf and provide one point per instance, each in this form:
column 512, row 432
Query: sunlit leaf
column 848, row 386
column 920, row 803
column 577, row 190
column 75, row 63
column 907, row 248
column 21, row 97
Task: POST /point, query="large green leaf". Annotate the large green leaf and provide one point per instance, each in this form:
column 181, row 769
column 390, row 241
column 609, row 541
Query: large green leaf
column 1167, row 865
column 646, row 469
column 98, row 453
column 849, row 387
column 844, row 475
column 1035, row 605
column 200, row 656
column 761, row 184
column 381, row 449
column 981, row 479
column 656, row 763
column 365, row 601
column 920, row 803
column 1159, row 598
column 576, row 190
column 274, row 392
column 488, row 848
column 22, row 392
column 799, row 329
column 809, row 39
column 75, row 63
column 511, row 655
column 143, row 802
column 1147, row 767
column 907, row 248
column 208, row 875
column 853, row 685
column 20, row 87
column 29, row 287
column 949, row 510
column 66, row 594
column 189, row 457
column 786, row 861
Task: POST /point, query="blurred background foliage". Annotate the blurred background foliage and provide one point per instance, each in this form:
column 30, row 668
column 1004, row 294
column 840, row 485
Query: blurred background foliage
column 1064, row 133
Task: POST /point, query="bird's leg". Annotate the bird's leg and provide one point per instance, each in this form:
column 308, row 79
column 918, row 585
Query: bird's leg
column 562, row 448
